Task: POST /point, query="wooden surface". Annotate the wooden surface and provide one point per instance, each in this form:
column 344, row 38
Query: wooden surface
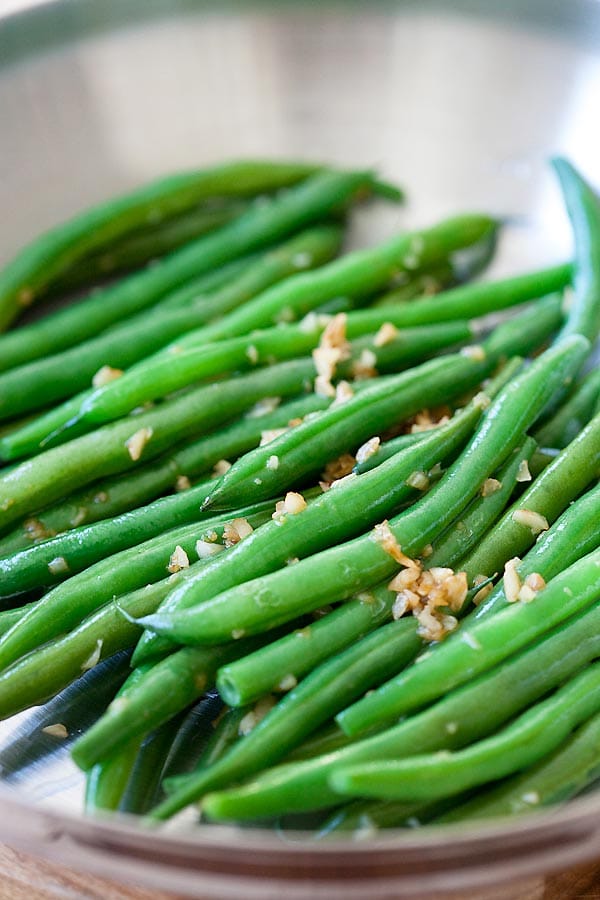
column 23, row 877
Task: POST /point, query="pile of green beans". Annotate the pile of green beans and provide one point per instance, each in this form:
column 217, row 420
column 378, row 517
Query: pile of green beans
column 347, row 531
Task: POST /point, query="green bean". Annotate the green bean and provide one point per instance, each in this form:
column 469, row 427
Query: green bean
column 573, row 415
column 167, row 688
column 280, row 665
column 533, row 735
column 45, row 672
column 106, row 782
column 202, row 730
column 365, row 817
column 584, row 213
column 121, row 493
column 471, row 300
column 477, row 646
column 482, row 512
column 562, row 481
column 148, row 244
column 53, row 474
column 306, row 449
column 8, row 617
column 337, row 515
column 297, row 714
column 339, row 572
column 50, row 256
column 325, row 740
column 55, row 377
column 390, row 448
column 131, row 568
column 573, row 766
column 199, row 291
column 170, row 373
column 463, row 716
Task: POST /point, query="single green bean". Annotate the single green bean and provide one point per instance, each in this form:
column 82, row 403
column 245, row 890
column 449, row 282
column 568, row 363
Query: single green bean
column 118, row 447
column 196, row 733
column 341, row 571
column 9, row 617
column 299, row 713
column 140, row 563
column 565, row 773
column 533, row 735
column 50, row 256
column 463, row 716
column 143, row 787
column 477, row 646
column 583, row 207
column 570, row 473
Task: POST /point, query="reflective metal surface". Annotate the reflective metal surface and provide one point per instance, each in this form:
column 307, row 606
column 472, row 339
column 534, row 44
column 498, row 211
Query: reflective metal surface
column 462, row 103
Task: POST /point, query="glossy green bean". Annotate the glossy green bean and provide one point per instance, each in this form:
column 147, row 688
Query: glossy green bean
column 55, row 473
column 570, row 473
column 533, row 735
column 573, row 766
column 339, row 572
column 54, row 377
column 477, row 646
column 583, row 207
column 112, row 575
column 299, row 713
column 337, row 515
column 9, row 617
column 203, row 727
column 50, row 256
column 143, row 788
column 464, row 716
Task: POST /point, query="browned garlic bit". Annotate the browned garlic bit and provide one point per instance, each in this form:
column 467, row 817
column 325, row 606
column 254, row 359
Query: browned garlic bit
column 220, row 467
column 235, row 531
column 58, row 731
column 36, row 530
column 79, row 517
column 343, row 392
column 333, row 348
column 534, row 583
column 182, row 483
column 428, row 419
column 178, row 560
column 511, row 580
column 490, row 486
column 293, row 504
column 204, row 549
column 336, row 469
column 252, row 718
column 58, row 565
column 425, row 593
column 368, row 449
column 531, row 519
column 382, row 534
column 364, row 366
column 264, row 406
column 386, row 334
column 351, row 476
column 523, row 474
column 270, row 434
column 136, row 443
column 418, row 480
column 105, row 375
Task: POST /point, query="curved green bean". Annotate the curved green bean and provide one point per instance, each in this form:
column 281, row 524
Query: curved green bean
column 573, row 415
